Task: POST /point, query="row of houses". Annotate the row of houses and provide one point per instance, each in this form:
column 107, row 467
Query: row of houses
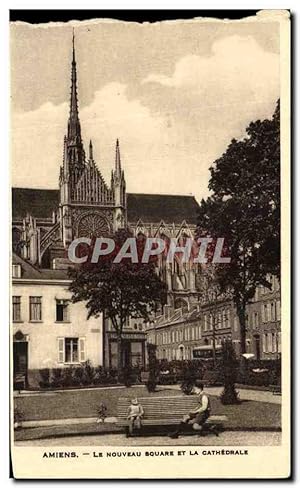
column 191, row 332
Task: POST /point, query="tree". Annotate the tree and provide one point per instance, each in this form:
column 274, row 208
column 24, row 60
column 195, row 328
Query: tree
column 244, row 208
column 118, row 290
column 229, row 363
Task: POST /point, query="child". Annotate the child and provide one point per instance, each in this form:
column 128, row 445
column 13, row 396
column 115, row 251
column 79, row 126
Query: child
column 134, row 415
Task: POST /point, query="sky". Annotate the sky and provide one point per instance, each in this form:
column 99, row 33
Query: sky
column 175, row 94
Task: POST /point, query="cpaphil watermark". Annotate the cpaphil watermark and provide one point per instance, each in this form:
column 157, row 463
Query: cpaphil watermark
column 200, row 250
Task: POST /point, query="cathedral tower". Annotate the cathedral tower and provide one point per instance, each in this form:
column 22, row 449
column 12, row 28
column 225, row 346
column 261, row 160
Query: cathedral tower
column 88, row 206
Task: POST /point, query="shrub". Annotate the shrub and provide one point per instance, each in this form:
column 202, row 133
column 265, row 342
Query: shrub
column 213, row 377
column 77, row 376
column 101, row 376
column 67, row 377
column 187, row 387
column 88, row 373
column 112, row 376
column 45, row 378
column 57, row 377
column 126, row 377
column 151, row 385
column 167, row 379
column 181, row 371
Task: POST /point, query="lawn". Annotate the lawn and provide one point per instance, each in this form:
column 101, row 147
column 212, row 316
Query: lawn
column 79, row 403
column 83, row 403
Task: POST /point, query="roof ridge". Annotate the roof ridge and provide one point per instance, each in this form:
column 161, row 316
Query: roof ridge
column 36, row 189
column 163, row 194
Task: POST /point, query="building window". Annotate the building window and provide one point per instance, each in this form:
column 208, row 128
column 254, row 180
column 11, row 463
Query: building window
column 62, row 310
column 235, row 324
column 279, row 341
column 270, row 312
column 255, row 320
column 205, row 322
column 265, row 343
column 71, row 350
column 278, row 310
column 16, row 271
column 16, row 309
column 273, row 312
column 224, row 318
column 35, row 309
column 270, row 342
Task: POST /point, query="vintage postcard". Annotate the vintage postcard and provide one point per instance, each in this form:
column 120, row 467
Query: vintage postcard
column 150, row 255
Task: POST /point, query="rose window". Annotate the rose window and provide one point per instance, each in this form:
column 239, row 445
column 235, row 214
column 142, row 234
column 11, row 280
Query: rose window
column 92, row 225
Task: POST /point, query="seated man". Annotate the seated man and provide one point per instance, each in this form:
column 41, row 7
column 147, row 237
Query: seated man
column 198, row 416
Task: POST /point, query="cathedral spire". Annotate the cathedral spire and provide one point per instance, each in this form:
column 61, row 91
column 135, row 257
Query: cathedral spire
column 74, row 130
column 118, row 159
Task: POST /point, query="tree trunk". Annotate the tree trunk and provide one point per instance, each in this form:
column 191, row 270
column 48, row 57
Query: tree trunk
column 119, row 351
column 242, row 322
column 214, row 341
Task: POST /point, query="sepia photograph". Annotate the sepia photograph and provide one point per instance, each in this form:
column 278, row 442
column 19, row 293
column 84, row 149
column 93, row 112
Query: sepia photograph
column 147, row 258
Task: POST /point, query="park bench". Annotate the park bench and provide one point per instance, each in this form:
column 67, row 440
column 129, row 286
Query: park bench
column 165, row 412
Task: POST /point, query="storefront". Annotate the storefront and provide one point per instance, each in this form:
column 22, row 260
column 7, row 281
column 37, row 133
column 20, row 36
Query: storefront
column 133, row 349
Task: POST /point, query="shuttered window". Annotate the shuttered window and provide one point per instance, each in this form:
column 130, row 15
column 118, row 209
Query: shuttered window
column 71, row 350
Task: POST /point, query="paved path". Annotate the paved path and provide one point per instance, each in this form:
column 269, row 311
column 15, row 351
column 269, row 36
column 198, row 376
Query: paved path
column 225, row 439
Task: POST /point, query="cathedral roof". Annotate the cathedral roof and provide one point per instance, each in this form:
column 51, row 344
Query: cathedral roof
column 140, row 206
column 38, row 203
column 154, row 208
